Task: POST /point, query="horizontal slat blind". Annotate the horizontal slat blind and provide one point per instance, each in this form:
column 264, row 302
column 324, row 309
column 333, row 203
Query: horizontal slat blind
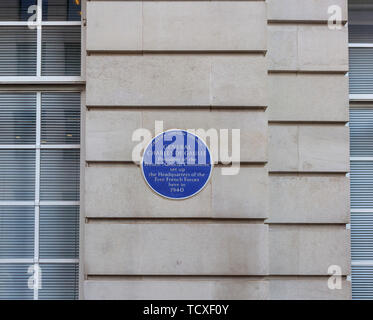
column 362, row 235
column 360, row 33
column 14, row 281
column 59, row 281
column 15, row 10
column 61, row 51
column 17, row 118
column 361, row 71
column 17, row 51
column 61, row 10
column 60, row 181
column 17, row 232
column 361, row 131
column 362, row 282
column 59, row 232
column 17, row 175
column 360, row 12
column 59, row 175
column 60, row 118
column 361, row 145
column 58, row 224
column 361, row 180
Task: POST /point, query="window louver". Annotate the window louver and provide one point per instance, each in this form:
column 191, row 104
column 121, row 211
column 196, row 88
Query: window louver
column 61, row 10
column 14, row 281
column 17, row 118
column 59, row 281
column 58, row 235
column 60, row 118
column 11, row 10
column 360, row 33
column 362, row 235
column 360, row 16
column 59, row 232
column 17, row 175
column 362, row 282
column 17, row 232
column 361, row 180
column 39, row 160
column 361, row 132
column 61, row 51
column 17, row 51
column 361, row 71
column 59, row 175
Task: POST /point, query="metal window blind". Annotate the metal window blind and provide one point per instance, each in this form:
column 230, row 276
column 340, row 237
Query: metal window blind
column 17, row 175
column 58, row 235
column 15, row 10
column 61, row 10
column 360, row 12
column 362, row 235
column 17, row 232
column 361, row 131
column 362, row 282
column 59, row 232
column 60, row 118
column 17, row 51
column 361, row 71
column 361, row 148
column 361, row 181
column 59, row 175
column 59, row 281
column 17, row 118
column 360, row 33
column 14, row 281
column 61, row 51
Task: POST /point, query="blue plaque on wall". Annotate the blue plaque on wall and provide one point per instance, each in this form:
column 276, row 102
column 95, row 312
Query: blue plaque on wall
column 176, row 164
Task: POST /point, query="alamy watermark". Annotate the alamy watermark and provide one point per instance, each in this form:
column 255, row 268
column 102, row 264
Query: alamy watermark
column 224, row 145
column 335, row 17
column 34, row 281
column 35, row 11
column 335, row 280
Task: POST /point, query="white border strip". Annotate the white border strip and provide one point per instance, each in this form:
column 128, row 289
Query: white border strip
column 58, row 261
column 364, row 97
column 17, row 203
column 38, row 39
column 31, row 261
column 362, row 263
column 60, row 146
column 43, row 146
column 37, row 193
column 361, row 158
column 59, row 203
column 361, row 210
column 360, row 45
column 43, row 23
column 41, row 79
column 42, row 203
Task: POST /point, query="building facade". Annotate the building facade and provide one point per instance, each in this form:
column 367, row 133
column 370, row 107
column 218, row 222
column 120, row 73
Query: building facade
column 76, row 215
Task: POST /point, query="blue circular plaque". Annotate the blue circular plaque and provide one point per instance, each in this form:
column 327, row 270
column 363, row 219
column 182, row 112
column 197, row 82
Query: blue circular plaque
column 176, row 164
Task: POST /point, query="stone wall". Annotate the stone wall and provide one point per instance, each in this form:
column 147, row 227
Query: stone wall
column 272, row 69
